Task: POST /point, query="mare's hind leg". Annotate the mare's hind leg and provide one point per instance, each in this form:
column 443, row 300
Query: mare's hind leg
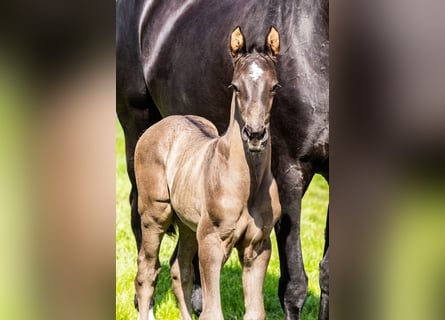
column 134, row 121
column 323, row 313
column 197, row 292
column 182, row 270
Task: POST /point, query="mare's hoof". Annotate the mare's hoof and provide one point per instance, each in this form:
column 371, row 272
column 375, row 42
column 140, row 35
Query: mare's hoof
column 197, row 300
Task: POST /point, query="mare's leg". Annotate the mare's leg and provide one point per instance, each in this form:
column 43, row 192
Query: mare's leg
column 182, row 270
column 212, row 255
column 323, row 313
column 254, row 272
column 135, row 108
column 197, row 292
column 135, row 120
column 292, row 178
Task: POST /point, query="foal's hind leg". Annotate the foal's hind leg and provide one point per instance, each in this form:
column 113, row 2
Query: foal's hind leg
column 182, row 270
column 134, row 121
column 155, row 220
column 196, row 291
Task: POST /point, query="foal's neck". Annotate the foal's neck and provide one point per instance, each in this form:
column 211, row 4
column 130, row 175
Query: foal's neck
column 236, row 153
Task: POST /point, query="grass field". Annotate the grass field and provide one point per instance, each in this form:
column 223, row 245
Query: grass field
column 312, row 229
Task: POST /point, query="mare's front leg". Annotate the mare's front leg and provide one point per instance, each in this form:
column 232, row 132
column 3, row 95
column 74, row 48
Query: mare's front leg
column 254, row 262
column 292, row 179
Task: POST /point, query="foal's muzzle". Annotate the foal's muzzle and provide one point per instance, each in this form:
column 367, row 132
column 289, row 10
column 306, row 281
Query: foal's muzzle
column 256, row 139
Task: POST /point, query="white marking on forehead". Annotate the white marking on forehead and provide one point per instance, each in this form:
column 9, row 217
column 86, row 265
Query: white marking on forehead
column 255, row 72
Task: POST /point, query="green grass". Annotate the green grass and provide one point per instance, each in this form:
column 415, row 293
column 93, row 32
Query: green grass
column 312, row 228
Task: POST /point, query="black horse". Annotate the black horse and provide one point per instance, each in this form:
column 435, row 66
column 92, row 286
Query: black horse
column 171, row 60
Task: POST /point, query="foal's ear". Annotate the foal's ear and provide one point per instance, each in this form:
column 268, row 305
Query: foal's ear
column 273, row 41
column 237, row 42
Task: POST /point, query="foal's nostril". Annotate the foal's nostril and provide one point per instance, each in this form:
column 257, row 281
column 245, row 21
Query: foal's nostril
column 247, row 132
column 262, row 135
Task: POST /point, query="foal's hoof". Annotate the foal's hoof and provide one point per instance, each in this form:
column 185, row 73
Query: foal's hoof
column 151, row 315
column 197, row 300
column 136, row 303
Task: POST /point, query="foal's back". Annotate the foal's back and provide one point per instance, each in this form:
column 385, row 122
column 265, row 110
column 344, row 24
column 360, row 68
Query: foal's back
column 175, row 136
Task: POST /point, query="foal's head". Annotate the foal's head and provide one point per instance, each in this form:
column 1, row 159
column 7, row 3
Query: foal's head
column 254, row 84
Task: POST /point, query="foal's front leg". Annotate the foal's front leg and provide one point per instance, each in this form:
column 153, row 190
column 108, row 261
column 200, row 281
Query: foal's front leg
column 211, row 259
column 254, row 264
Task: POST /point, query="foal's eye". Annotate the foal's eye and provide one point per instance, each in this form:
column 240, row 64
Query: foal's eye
column 235, row 88
column 275, row 87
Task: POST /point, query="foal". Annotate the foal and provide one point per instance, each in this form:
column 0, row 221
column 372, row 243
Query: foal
column 219, row 190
